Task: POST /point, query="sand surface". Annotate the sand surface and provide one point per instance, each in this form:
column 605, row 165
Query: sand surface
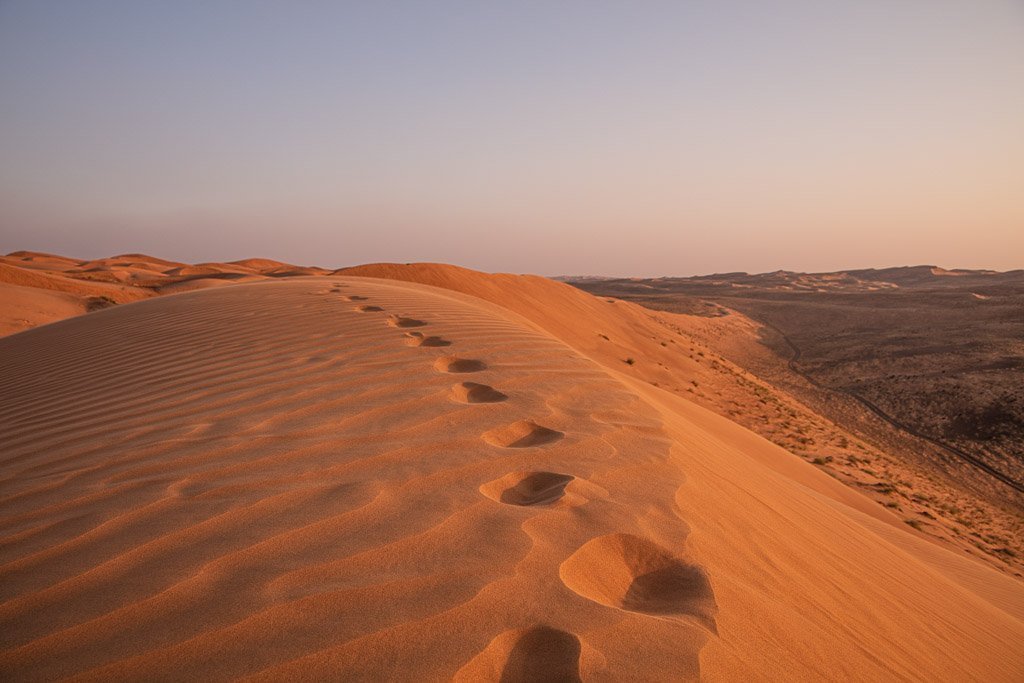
column 351, row 477
column 38, row 288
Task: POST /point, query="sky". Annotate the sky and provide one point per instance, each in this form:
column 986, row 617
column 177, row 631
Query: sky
column 615, row 138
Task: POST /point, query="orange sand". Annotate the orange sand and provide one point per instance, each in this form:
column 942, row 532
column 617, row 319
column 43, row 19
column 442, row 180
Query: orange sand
column 275, row 480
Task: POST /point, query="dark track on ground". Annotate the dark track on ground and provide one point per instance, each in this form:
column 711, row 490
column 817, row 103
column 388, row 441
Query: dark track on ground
column 953, row 450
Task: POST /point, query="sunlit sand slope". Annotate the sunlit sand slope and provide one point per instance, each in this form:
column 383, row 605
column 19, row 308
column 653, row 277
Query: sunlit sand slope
column 348, row 477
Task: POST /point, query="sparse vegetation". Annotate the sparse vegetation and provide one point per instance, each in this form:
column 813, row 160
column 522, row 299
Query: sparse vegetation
column 96, row 303
column 904, row 349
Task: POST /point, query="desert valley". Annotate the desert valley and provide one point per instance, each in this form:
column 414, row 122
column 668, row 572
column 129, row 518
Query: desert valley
column 263, row 471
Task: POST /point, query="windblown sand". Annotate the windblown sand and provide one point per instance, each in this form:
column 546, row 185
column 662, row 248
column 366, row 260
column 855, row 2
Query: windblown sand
column 349, row 477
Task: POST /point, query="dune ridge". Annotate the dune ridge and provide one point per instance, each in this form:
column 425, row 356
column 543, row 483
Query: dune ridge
column 686, row 355
column 27, row 276
column 259, row 481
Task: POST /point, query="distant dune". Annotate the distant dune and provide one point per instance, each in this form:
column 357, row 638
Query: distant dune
column 87, row 285
column 426, row 473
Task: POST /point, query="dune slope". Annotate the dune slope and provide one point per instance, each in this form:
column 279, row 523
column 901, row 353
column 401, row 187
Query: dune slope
column 283, row 480
column 38, row 288
column 683, row 354
column 25, row 307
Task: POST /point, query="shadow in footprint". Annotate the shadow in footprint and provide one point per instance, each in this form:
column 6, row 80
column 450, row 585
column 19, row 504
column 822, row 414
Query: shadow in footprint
column 471, row 392
column 527, row 488
column 452, row 364
column 522, row 434
column 353, row 297
column 671, row 589
column 419, row 339
column 538, row 653
column 634, row 574
column 399, row 321
column 368, row 309
column 543, row 654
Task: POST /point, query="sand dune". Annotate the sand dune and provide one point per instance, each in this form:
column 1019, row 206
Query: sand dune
column 924, row 378
column 204, row 282
column 36, row 260
column 208, row 269
column 22, row 277
column 35, row 294
column 262, row 481
column 259, row 264
column 26, row 307
column 684, row 355
column 88, row 285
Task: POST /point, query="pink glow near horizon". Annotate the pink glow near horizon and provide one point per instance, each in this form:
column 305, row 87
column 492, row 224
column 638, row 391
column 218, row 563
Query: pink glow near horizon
column 606, row 138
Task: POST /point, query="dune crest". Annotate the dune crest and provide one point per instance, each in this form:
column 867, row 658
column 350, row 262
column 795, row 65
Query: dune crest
column 259, row 481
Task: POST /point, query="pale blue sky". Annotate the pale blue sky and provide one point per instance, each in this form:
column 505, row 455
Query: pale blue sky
column 640, row 138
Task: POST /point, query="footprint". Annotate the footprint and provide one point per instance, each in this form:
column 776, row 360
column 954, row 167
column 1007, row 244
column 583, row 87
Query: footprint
column 419, row 339
column 522, row 434
column 453, row 364
column 527, row 488
column 540, row 653
column 353, row 297
column 399, row 321
column 471, row 392
column 636, row 575
column 368, row 309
